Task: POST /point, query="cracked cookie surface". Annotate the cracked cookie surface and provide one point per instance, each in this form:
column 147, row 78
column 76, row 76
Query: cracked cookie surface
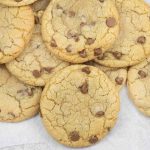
column 117, row 75
column 36, row 65
column 16, row 2
column 74, row 34
column 79, row 106
column 133, row 44
column 16, row 25
column 139, row 86
column 18, row 101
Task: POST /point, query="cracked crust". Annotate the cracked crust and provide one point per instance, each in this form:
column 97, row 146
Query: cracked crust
column 117, row 75
column 36, row 65
column 16, row 2
column 133, row 44
column 16, row 25
column 79, row 107
column 74, row 34
column 17, row 100
column 139, row 86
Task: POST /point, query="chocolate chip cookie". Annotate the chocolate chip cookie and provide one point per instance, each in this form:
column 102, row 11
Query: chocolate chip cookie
column 133, row 44
column 79, row 30
column 79, row 105
column 139, row 86
column 16, row 26
column 36, row 64
column 18, row 101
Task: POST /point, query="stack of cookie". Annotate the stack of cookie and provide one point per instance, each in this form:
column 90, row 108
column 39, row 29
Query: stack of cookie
column 79, row 51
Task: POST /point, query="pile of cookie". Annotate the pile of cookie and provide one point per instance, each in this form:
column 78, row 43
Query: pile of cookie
column 69, row 59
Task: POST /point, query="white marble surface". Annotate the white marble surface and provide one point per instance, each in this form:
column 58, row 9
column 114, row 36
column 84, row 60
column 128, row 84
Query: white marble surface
column 132, row 132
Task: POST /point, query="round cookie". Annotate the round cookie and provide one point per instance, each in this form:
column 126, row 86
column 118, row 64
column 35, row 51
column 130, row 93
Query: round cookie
column 16, row 25
column 79, row 30
column 139, row 86
column 133, row 44
column 117, row 75
column 36, row 64
column 16, row 2
column 79, row 106
column 18, row 101
column 40, row 5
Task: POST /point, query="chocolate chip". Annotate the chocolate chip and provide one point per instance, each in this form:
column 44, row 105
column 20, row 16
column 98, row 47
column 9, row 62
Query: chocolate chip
column 90, row 41
column 36, row 73
column 84, row 88
column 71, row 14
column 75, row 36
column 111, row 22
column 99, row 114
column 83, row 53
column 53, row 43
column 119, row 80
column 86, row 70
column 142, row 74
column 117, row 55
column 97, row 51
column 74, row 136
column 141, row 40
column 93, row 139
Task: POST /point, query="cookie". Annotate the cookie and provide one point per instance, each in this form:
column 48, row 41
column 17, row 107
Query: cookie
column 139, row 85
column 40, row 5
column 79, row 106
column 18, row 101
column 16, row 2
column 117, row 75
column 78, row 31
column 16, row 25
column 36, row 64
column 133, row 44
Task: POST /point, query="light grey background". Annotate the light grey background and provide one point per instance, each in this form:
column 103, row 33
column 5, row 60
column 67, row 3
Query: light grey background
column 132, row 132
